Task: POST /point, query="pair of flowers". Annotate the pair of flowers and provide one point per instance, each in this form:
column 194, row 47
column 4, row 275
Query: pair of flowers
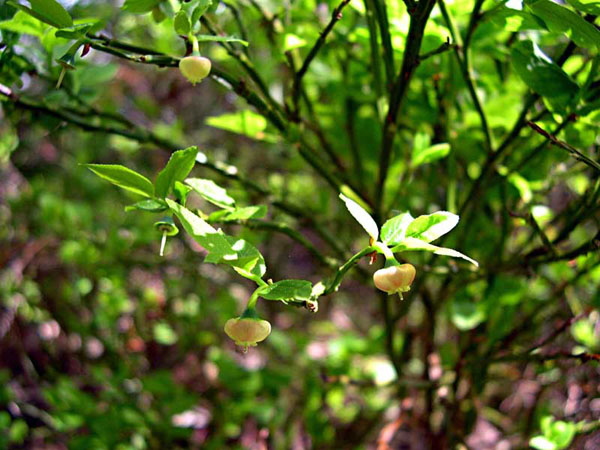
column 249, row 329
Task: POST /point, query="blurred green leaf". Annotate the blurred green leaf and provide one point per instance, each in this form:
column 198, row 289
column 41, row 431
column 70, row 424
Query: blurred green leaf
column 588, row 6
column 247, row 123
column 164, row 334
column 466, row 315
column 429, row 154
column 48, row 11
column 213, row 38
column 182, row 23
column 140, row 6
column 562, row 20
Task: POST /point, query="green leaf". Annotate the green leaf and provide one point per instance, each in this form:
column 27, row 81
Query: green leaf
column 140, row 6
column 179, row 166
column 541, row 75
column 429, row 154
column 588, row 6
column 430, row 227
column 246, row 123
column 245, row 213
column 410, row 244
column 200, row 9
column 362, row 217
column 288, row 291
column 466, row 315
column 211, row 192
column 74, row 32
column 181, row 192
column 124, row 178
column 243, row 256
column 24, row 23
column 150, row 205
column 562, row 20
column 542, row 443
column 48, row 11
column 164, row 334
column 213, row 38
column 292, row 41
column 182, row 23
column 562, row 433
column 393, row 231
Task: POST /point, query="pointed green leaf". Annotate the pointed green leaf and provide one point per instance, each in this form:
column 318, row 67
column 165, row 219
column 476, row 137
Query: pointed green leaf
column 430, row 154
column 394, row 230
column 211, row 192
column 140, row 6
column 124, row 178
column 181, row 23
column 223, row 249
column 588, row 6
column 431, row 226
column 361, row 216
column 288, row 291
column 543, row 76
column 410, row 244
column 247, row 123
column 562, row 20
column 48, row 11
column 213, row 38
column 201, row 8
column 245, row 213
column 179, row 166
column 150, row 205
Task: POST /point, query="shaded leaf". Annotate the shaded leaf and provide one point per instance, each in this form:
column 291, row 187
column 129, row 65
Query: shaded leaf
column 562, row 20
column 541, row 75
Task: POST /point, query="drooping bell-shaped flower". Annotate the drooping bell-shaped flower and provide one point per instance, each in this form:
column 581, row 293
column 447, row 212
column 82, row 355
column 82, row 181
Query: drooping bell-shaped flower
column 395, row 279
column 247, row 331
column 195, row 68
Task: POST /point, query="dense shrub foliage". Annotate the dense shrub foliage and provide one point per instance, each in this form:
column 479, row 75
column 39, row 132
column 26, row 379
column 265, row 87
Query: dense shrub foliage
column 391, row 207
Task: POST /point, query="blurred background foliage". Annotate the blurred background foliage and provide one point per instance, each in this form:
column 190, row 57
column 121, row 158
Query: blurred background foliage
column 104, row 344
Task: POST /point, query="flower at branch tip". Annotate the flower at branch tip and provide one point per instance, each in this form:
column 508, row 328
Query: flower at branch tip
column 395, row 279
column 195, row 68
column 247, row 331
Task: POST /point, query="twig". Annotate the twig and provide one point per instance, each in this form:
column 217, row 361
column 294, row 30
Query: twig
column 441, row 49
column 335, row 17
column 572, row 150
column 410, row 61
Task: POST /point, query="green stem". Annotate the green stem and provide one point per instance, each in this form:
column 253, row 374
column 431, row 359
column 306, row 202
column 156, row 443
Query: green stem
column 339, row 275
